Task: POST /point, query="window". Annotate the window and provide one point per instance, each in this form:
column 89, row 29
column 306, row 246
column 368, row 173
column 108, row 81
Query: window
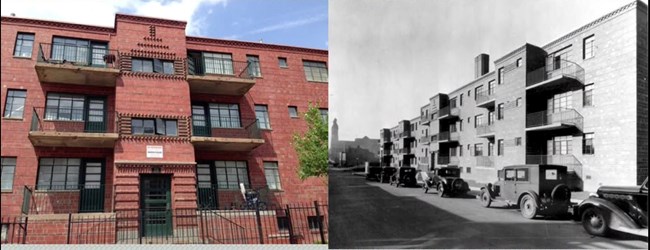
column 588, row 47
column 460, row 150
column 282, row 62
column 478, row 120
column 452, row 102
column 58, row 173
column 24, row 45
column 254, row 66
column 460, row 125
column 283, row 223
column 8, row 170
column 477, row 91
column 468, row 93
column 224, row 115
column 562, row 145
column 151, row 127
column 519, row 100
column 83, row 52
column 500, row 147
column 152, row 65
column 519, row 62
column 293, row 111
column 315, row 71
column 323, row 114
column 500, row 111
column 262, row 115
column 64, row 107
column 231, row 173
column 588, row 144
column 501, row 76
column 478, row 149
column 490, row 149
column 587, row 95
column 461, row 99
column 452, row 127
column 218, row 63
column 490, row 117
column 517, row 141
column 15, row 103
column 468, row 170
column 522, row 174
column 315, row 222
column 560, row 102
column 510, row 175
column 491, row 86
column 272, row 175
column 559, row 58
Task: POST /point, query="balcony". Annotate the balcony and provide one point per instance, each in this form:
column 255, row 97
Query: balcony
column 448, row 113
column 569, row 160
column 485, row 99
column 424, row 160
column 484, row 161
column 73, row 64
column 426, row 119
column 51, row 129
column 233, row 138
column 219, row 77
column 448, row 160
column 406, row 151
column 425, row 139
column 64, row 199
column 545, row 121
column 485, row 131
column 446, row 137
column 558, row 75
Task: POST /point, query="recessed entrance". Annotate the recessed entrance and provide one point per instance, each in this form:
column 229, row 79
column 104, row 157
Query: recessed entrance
column 155, row 202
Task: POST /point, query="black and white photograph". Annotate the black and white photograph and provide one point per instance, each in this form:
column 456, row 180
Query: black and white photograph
column 488, row 124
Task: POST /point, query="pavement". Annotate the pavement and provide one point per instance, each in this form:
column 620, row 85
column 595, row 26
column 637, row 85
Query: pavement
column 367, row 214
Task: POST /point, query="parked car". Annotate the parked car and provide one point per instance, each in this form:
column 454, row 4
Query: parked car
column 623, row 209
column 448, row 182
column 373, row 173
column 404, row 176
column 535, row 189
column 386, row 173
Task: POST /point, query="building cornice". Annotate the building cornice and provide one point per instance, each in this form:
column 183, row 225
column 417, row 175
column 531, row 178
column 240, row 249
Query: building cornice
column 512, row 53
column 56, row 24
column 150, row 20
column 232, row 43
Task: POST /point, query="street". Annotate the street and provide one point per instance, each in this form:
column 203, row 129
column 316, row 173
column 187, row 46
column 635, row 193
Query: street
column 368, row 214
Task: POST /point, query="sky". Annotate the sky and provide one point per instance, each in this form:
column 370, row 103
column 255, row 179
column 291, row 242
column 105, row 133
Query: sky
column 301, row 23
column 385, row 62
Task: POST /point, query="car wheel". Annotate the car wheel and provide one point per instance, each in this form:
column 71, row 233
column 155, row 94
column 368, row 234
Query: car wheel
column 593, row 220
column 486, row 200
column 441, row 190
column 528, row 207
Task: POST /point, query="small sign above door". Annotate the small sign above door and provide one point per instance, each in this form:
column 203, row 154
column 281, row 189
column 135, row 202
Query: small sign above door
column 154, row 151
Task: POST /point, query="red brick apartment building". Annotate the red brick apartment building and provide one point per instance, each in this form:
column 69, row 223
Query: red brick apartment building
column 141, row 117
column 580, row 101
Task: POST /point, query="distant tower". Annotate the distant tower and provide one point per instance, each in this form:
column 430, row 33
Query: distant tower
column 335, row 134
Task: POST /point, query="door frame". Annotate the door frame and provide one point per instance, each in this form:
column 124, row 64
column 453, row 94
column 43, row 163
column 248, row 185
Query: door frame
column 169, row 211
column 82, row 182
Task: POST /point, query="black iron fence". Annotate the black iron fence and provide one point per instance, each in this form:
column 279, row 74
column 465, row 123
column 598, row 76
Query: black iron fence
column 221, row 66
column 89, row 55
column 72, row 120
column 562, row 117
column 288, row 224
column 554, row 69
column 230, row 128
column 62, row 199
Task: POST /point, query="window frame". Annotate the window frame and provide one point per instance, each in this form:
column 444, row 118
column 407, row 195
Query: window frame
column 588, row 144
column 263, row 122
column 324, row 113
column 157, row 65
column 588, row 95
column 274, row 171
column 67, row 184
column 281, row 64
column 10, row 103
column 222, row 115
column 501, row 76
column 160, row 126
column 315, row 68
column 254, row 66
column 500, row 108
column 478, row 149
column 4, row 165
column 19, row 46
column 519, row 62
column 500, row 147
column 589, row 42
column 53, row 113
column 226, row 174
column 293, row 112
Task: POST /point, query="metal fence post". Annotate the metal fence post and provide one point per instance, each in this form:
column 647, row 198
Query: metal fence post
column 259, row 223
column 291, row 236
column 25, row 228
column 202, row 232
column 69, row 226
column 140, row 221
column 319, row 220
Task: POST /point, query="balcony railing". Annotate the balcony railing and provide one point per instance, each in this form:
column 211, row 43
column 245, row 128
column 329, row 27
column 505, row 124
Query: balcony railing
column 427, row 118
column 220, row 76
column 62, row 199
column 484, row 161
column 228, row 135
column 73, row 128
column 425, row 139
column 569, row 160
column 546, row 120
column 424, row 160
column 558, row 68
column 447, row 136
column 485, row 130
column 443, row 160
column 78, row 55
column 224, row 67
column 448, row 112
column 485, row 98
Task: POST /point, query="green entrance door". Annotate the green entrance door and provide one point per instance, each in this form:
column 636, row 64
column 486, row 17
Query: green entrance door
column 155, row 202
column 95, row 115
column 92, row 189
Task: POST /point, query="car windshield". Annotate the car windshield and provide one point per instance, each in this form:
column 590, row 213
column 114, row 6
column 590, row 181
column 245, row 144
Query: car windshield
column 449, row 172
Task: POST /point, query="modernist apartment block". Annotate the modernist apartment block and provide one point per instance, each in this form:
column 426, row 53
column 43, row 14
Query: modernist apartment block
column 579, row 101
column 141, row 116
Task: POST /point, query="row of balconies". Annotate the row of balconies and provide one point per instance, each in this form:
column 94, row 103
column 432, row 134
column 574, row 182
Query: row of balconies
column 81, row 129
column 83, row 65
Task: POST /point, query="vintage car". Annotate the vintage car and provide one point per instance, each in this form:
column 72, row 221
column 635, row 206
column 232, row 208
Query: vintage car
column 386, row 173
column 535, row 189
column 448, row 182
column 404, row 176
column 623, row 209
column 373, row 173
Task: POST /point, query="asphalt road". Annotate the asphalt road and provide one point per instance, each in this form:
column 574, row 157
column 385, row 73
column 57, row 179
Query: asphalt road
column 373, row 215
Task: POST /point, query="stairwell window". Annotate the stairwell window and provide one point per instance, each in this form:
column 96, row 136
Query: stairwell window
column 588, row 144
column 152, row 66
column 501, row 76
column 254, row 68
column 588, row 95
column 588, row 47
column 15, row 103
column 500, row 147
column 262, row 115
column 154, row 127
column 24, row 45
column 315, row 71
column 272, row 175
column 8, row 170
column 500, row 111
